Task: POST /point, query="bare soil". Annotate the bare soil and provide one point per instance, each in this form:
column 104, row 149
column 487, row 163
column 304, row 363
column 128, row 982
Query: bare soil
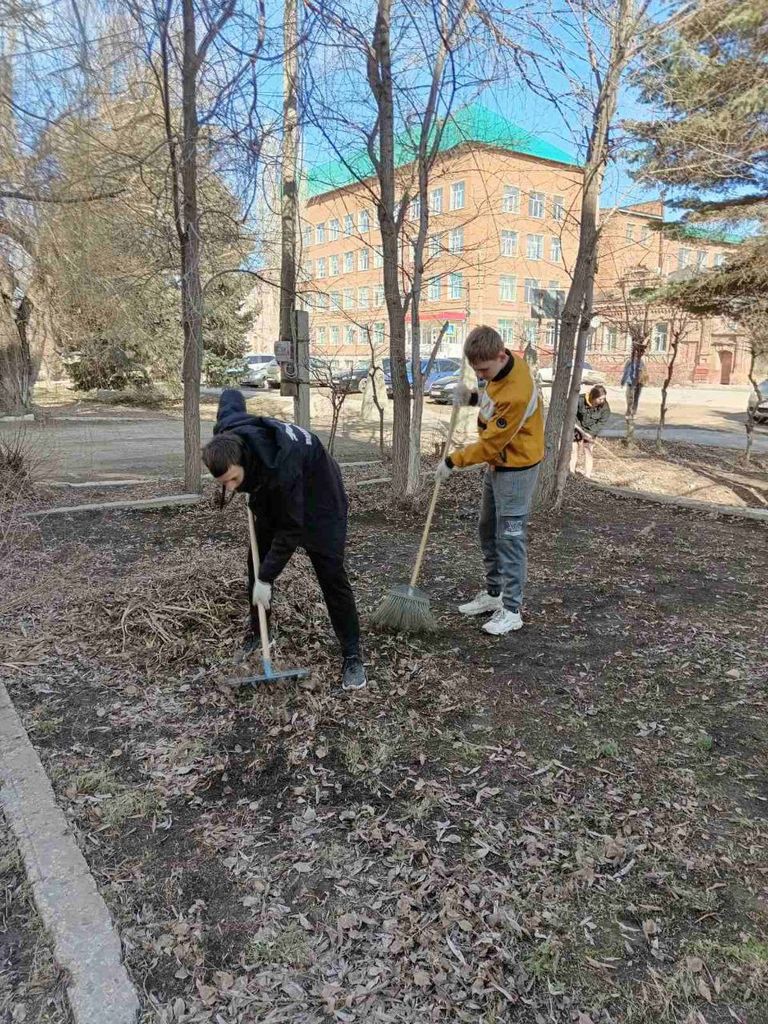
column 566, row 824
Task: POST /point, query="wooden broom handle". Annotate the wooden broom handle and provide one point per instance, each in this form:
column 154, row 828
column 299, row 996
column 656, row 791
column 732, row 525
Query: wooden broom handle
column 263, row 630
column 433, row 503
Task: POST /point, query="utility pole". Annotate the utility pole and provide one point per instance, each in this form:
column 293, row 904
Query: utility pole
column 292, row 340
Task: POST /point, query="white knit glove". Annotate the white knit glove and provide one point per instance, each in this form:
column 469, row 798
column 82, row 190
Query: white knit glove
column 262, row 594
column 462, row 394
column 442, row 472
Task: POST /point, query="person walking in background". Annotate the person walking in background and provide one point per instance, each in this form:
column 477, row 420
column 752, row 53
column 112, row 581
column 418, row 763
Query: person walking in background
column 634, row 379
column 592, row 415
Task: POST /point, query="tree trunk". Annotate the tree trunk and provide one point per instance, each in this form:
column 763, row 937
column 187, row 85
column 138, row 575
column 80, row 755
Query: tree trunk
column 676, row 336
column 586, row 260
column 191, row 288
column 749, row 423
column 572, row 404
column 380, row 79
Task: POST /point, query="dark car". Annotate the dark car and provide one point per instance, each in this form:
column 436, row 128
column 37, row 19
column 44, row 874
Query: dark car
column 438, row 369
column 355, row 379
column 759, row 406
column 443, row 388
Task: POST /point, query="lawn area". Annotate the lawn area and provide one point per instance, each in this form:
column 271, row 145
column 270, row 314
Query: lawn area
column 569, row 824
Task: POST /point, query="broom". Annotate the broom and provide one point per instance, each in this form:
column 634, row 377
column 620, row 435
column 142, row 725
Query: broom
column 406, row 607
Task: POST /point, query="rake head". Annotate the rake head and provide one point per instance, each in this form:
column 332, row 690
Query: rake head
column 270, row 675
column 405, row 609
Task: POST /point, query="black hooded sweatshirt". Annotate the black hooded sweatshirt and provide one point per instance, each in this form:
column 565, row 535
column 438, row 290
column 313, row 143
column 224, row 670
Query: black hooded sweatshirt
column 294, row 485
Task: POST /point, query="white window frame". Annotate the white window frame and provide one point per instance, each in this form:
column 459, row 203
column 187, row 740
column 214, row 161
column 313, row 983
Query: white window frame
column 348, row 298
column 320, row 233
column 362, row 297
column 349, row 225
column 456, row 286
column 364, row 222
column 458, row 192
column 436, row 201
column 537, row 205
column 510, row 199
column 530, row 286
column 558, row 208
column 555, row 249
column 534, row 247
column 321, row 267
column 435, row 289
column 349, row 262
column 363, row 259
column 510, row 237
column 333, row 230
column 456, row 239
column 507, row 284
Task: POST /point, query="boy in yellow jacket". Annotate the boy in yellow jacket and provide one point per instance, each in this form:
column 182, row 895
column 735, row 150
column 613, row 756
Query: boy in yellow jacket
column 511, row 442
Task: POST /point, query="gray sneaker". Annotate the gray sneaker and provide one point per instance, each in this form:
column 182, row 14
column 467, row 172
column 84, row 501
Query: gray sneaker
column 353, row 674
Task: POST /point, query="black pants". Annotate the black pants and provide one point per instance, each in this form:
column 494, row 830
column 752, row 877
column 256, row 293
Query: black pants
column 334, row 583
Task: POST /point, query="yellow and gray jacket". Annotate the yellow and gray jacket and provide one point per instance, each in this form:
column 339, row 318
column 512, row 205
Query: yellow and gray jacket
column 510, row 422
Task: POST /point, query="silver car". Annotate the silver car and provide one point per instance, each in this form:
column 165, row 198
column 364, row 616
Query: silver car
column 257, row 371
column 758, row 407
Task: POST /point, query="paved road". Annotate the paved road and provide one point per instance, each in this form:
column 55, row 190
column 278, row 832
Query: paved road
column 80, row 443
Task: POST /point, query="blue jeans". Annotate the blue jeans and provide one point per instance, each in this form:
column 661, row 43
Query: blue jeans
column 504, row 511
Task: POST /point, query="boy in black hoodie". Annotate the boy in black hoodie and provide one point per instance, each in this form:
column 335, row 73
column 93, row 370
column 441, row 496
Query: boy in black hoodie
column 295, row 490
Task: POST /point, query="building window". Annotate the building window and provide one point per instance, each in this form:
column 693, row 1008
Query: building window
column 536, row 205
column 645, row 234
column 321, row 265
column 333, row 230
column 336, row 300
column 534, row 247
column 555, row 249
column 550, row 333
column 333, row 266
column 509, row 243
column 630, row 232
column 306, row 235
column 457, row 195
column 456, row 240
column 378, row 258
column 507, row 288
column 349, row 262
column 660, row 332
column 556, row 292
column 530, row 287
column 322, row 300
column 351, row 336
column 683, row 258
column 321, row 337
column 414, row 210
column 320, row 233
column 378, row 333
column 349, row 298
column 363, row 259
column 335, row 334
column 433, row 245
column 364, row 222
column 719, row 260
column 307, row 268
column 456, row 286
column 507, row 331
column 436, row 200
column 558, row 208
column 434, row 290
column 378, row 295
column 611, row 339
column 701, row 259
column 510, row 202
column 530, row 330
column 349, row 224
column 362, row 298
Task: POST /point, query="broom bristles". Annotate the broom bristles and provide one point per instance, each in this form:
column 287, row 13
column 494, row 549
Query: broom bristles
column 405, row 612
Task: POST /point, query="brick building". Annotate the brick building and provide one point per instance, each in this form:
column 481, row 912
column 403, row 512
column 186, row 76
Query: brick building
column 503, row 225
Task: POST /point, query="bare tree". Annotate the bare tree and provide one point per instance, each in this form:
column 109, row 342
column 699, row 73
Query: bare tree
column 680, row 322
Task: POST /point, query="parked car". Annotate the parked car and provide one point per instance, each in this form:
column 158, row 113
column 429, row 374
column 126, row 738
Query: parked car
column 354, row 379
column 272, row 374
column 438, row 369
column 321, row 372
column 443, row 388
column 589, row 375
column 759, row 406
column 256, row 369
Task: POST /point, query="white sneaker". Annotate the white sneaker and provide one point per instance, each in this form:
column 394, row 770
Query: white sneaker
column 481, row 604
column 503, row 622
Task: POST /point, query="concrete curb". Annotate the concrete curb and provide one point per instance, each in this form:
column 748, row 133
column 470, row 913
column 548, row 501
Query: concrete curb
column 111, row 506
column 737, row 511
column 73, row 913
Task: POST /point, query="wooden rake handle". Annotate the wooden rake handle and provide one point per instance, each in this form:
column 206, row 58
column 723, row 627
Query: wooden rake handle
column 263, row 629
column 433, row 502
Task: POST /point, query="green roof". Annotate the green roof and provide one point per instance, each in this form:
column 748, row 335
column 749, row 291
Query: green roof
column 704, row 233
column 474, row 123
